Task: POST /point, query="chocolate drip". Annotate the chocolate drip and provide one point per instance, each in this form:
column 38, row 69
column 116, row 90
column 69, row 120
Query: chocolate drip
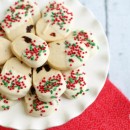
column 47, row 67
column 29, row 28
column 27, row 39
column 39, row 69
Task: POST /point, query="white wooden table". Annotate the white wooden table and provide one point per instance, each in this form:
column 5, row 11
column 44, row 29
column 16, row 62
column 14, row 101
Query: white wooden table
column 115, row 18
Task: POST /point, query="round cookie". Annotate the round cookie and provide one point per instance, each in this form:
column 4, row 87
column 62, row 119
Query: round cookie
column 35, row 107
column 30, row 49
column 65, row 55
column 5, row 49
column 16, row 23
column 76, row 83
column 55, row 23
column 86, row 38
column 48, row 83
column 15, row 79
column 6, row 104
column 30, row 7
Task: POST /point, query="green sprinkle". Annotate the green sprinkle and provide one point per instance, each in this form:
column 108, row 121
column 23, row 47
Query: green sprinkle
column 32, row 58
column 5, row 83
column 73, row 96
column 98, row 47
column 67, row 30
column 81, row 91
column 45, row 106
column 53, row 97
column 71, row 80
column 51, row 92
column 87, row 90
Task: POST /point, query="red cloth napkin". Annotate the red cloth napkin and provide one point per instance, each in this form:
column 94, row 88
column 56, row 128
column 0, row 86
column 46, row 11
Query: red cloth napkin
column 110, row 111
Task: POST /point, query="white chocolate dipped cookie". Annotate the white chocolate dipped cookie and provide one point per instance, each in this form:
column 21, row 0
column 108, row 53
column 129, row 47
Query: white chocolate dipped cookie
column 37, row 108
column 16, row 23
column 6, row 104
column 76, row 83
column 29, row 6
column 48, row 83
column 86, row 38
column 55, row 23
column 15, row 79
column 31, row 49
column 5, row 50
column 65, row 55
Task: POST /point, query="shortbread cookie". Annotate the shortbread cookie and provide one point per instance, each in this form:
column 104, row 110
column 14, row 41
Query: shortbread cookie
column 49, row 83
column 15, row 79
column 66, row 55
column 30, row 7
column 16, row 23
column 76, row 83
column 31, row 49
column 86, row 38
column 5, row 50
column 35, row 107
column 5, row 103
column 55, row 23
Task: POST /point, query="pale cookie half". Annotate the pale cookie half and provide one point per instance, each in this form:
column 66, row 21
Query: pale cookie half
column 29, row 6
column 65, row 55
column 76, row 83
column 15, row 80
column 17, row 23
column 35, row 107
column 55, row 23
column 86, row 38
column 48, row 83
column 31, row 49
column 5, row 50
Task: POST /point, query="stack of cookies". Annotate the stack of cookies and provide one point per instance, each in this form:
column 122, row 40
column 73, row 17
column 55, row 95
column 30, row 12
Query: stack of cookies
column 41, row 57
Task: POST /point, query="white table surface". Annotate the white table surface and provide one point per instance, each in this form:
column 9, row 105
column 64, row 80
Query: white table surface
column 115, row 18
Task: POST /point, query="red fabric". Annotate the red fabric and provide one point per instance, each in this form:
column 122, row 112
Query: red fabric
column 110, row 111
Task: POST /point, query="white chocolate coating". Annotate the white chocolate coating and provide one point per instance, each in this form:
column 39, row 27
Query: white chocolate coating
column 15, row 80
column 17, row 23
column 55, row 23
column 5, row 50
column 35, row 107
column 86, row 38
column 31, row 49
column 28, row 5
column 48, row 83
column 6, row 104
column 65, row 55
column 76, row 83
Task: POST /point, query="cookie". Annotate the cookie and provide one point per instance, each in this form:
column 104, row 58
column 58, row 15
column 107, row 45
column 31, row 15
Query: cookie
column 36, row 108
column 76, row 83
column 65, row 55
column 55, row 23
column 30, row 49
column 86, row 38
column 30, row 7
column 15, row 79
column 5, row 50
column 6, row 104
column 16, row 23
column 48, row 83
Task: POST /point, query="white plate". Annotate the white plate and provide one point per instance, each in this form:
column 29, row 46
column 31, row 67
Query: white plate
column 97, row 69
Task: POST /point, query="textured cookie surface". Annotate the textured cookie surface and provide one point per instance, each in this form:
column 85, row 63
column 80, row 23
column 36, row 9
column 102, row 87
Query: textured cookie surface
column 55, row 23
column 35, row 107
column 76, row 83
column 17, row 23
column 29, row 6
column 31, row 49
column 66, row 55
column 15, row 79
column 49, row 83
column 5, row 50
